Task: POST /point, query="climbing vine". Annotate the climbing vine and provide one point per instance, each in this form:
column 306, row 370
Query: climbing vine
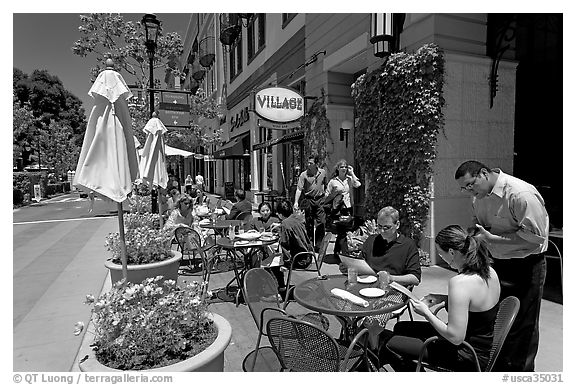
column 316, row 129
column 399, row 111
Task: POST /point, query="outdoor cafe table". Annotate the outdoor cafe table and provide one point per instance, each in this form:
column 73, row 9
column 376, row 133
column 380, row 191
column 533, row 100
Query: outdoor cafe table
column 241, row 250
column 220, row 226
column 315, row 294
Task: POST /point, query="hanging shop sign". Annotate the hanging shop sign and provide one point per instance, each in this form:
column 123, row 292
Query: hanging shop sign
column 279, row 104
column 174, row 109
column 278, row 126
column 239, row 119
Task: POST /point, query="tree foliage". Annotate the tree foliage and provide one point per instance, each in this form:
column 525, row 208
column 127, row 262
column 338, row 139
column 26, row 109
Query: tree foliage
column 399, row 107
column 106, row 35
column 39, row 99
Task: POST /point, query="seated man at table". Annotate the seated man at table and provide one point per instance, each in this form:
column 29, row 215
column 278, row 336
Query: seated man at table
column 241, row 205
column 393, row 252
column 293, row 239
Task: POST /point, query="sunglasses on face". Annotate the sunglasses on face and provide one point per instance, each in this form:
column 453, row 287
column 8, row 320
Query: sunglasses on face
column 385, row 227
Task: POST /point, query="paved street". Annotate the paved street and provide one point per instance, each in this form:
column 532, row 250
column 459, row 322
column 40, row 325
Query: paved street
column 58, row 256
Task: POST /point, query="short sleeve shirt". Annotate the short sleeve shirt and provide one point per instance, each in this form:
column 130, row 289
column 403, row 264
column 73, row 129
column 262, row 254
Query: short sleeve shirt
column 398, row 257
column 312, row 186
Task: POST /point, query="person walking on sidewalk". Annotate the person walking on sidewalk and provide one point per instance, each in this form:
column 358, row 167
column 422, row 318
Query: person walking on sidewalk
column 509, row 214
column 199, row 181
column 188, row 182
column 338, row 203
column 311, row 186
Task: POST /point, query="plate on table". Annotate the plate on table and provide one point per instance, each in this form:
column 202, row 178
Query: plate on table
column 267, row 234
column 240, row 243
column 367, row 279
column 249, row 236
column 372, row 292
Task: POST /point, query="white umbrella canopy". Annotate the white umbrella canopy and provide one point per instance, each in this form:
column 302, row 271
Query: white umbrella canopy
column 108, row 163
column 153, row 158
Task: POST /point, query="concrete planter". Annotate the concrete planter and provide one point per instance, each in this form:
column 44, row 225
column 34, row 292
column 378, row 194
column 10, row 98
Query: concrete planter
column 210, row 360
column 137, row 273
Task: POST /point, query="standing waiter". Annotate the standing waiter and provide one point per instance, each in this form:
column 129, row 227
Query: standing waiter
column 510, row 215
column 311, row 185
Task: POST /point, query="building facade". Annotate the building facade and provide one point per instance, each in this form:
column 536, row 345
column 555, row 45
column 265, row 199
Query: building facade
column 499, row 123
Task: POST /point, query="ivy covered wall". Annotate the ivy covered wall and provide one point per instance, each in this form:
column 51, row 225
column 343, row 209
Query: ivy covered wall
column 399, row 111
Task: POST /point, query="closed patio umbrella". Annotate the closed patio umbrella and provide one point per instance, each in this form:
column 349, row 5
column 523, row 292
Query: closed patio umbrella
column 153, row 158
column 108, row 162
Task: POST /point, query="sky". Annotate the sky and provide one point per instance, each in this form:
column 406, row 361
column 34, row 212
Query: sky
column 44, row 41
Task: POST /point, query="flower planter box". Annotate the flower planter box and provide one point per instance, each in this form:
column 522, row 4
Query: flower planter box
column 137, row 273
column 210, row 360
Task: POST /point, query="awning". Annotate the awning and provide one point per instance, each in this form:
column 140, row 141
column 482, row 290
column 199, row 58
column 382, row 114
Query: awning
column 290, row 137
column 176, row 151
column 170, row 151
column 237, row 147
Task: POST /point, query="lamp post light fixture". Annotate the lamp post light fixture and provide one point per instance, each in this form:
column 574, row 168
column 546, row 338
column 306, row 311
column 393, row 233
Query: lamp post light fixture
column 384, row 32
column 345, row 128
column 152, row 28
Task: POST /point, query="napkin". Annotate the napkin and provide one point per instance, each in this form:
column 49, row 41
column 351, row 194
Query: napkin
column 349, row 296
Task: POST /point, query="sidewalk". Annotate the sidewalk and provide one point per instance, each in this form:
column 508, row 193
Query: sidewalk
column 53, row 273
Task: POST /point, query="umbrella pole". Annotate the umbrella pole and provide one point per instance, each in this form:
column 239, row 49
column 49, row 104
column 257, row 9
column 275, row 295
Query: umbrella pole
column 160, row 210
column 122, row 242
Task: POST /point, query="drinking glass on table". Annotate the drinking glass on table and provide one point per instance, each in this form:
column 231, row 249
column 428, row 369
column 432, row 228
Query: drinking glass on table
column 383, row 279
column 352, row 275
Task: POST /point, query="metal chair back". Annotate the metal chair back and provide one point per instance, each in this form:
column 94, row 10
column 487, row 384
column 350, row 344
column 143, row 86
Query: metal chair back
column 304, row 347
column 182, row 235
column 506, row 315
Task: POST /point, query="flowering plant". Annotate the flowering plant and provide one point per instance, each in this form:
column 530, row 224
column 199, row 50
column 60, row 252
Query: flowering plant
column 150, row 324
column 140, row 203
column 356, row 239
column 139, row 220
column 143, row 245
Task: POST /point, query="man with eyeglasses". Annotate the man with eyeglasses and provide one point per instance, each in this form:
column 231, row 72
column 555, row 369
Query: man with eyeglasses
column 510, row 215
column 392, row 251
column 389, row 250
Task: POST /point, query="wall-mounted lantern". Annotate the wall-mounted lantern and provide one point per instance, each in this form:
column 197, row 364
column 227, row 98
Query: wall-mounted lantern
column 385, row 31
column 345, row 128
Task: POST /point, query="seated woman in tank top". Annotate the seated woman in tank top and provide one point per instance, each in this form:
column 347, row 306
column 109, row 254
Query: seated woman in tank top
column 472, row 305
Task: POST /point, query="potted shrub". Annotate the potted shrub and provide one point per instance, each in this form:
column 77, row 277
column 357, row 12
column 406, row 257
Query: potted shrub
column 148, row 248
column 154, row 326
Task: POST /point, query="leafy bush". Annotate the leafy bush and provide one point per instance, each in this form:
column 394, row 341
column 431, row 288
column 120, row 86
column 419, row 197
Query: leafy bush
column 143, row 245
column 399, row 110
column 148, row 325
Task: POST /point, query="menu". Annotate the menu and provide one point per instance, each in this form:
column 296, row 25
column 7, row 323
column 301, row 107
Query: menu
column 402, row 289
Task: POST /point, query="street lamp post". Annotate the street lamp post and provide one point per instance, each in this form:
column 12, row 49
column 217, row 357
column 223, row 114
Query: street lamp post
column 151, row 27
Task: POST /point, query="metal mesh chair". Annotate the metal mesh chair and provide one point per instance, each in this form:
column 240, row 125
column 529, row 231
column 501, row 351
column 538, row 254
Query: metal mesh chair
column 245, row 216
column 207, row 263
column 260, row 291
column 183, row 235
column 504, row 320
column 316, row 258
column 304, row 347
